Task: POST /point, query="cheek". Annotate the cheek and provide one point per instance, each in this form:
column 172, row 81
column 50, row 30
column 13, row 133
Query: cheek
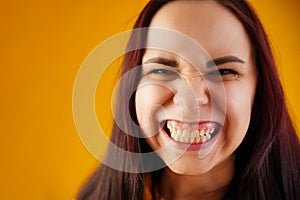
column 148, row 100
column 238, row 113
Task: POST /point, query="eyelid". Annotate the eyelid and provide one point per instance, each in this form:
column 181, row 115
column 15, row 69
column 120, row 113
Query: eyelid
column 159, row 72
column 165, row 70
column 155, row 66
column 163, row 61
column 217, row 75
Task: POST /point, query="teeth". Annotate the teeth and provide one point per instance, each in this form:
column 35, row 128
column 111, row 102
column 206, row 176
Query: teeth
column 186, row 133
column 180, row 132
column 186, row 139
column 193, row 135
column 202, row 139
column 208, row 137
column 190, row 136
column 191, row 140
column 181, row 139
column 173, row 133
column 201, row 133
column 176, row 138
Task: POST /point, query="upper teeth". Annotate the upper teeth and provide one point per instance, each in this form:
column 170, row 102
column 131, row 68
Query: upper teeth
column 190, row 135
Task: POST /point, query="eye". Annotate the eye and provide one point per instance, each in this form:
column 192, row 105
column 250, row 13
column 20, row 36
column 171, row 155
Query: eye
column 222, row 75
column 227, row 72
column 163, row 74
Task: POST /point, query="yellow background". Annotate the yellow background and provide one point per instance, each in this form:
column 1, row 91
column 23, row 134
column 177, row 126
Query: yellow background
column 43, row 44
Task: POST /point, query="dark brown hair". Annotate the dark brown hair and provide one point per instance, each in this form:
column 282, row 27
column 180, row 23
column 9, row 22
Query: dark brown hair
column 267, row 161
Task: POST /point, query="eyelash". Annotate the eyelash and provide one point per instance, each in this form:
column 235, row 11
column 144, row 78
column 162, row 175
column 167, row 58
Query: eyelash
column 163, row 72
column 224, row 71
column 223, row 74
column 226, row 74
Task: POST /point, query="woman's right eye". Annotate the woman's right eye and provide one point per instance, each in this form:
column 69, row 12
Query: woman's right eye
column 163, row 74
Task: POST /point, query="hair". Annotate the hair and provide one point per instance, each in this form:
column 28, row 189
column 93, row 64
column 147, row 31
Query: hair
column 268, row 159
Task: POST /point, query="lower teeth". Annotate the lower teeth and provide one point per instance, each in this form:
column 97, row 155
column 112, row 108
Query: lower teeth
column 191, row 140
column 187, row 137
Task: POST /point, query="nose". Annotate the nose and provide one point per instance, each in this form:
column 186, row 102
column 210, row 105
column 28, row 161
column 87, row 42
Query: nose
column 192, row 93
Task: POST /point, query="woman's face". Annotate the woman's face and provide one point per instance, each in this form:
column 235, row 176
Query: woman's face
column 196, row 115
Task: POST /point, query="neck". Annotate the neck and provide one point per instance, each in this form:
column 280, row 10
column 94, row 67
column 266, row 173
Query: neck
column 210, row 186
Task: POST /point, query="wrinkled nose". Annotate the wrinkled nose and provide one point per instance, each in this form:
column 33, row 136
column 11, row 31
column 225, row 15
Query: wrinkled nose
column 192, row 93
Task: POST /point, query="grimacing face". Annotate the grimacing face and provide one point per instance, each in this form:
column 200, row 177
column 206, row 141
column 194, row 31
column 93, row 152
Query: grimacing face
column 196, row 115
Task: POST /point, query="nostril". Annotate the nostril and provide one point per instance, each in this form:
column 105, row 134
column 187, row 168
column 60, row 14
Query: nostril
column 203, row 98
column 176, row 100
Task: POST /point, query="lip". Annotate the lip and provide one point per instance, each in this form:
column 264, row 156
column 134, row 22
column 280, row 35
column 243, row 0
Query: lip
column 191, row 146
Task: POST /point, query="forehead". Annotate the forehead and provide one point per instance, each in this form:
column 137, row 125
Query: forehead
column 210, row 24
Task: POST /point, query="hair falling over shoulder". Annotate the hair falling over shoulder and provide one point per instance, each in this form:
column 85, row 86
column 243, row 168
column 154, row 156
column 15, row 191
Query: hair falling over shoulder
column 268, row 160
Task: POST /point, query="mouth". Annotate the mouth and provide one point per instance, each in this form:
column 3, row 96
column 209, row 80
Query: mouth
column 191, row 133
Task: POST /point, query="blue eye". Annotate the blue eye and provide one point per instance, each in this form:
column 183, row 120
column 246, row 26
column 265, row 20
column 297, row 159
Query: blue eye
column 163, row 74
column 222, row 75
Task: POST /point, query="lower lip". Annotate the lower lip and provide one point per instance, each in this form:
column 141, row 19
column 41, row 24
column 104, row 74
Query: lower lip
column 189, row 146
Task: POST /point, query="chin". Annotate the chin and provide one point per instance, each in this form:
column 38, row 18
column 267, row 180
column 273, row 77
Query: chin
column 188, row 166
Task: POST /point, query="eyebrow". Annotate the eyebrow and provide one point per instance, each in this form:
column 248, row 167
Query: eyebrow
column 222, row 60
column 210, row 63
column 162, row 61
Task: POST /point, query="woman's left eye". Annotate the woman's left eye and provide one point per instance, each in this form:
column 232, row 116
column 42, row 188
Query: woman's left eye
column 222, row 75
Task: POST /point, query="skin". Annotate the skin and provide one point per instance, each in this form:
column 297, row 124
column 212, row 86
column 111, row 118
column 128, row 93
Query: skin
column 221, row 34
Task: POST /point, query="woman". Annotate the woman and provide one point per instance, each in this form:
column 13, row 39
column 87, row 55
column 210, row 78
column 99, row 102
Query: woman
column 237, row 145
